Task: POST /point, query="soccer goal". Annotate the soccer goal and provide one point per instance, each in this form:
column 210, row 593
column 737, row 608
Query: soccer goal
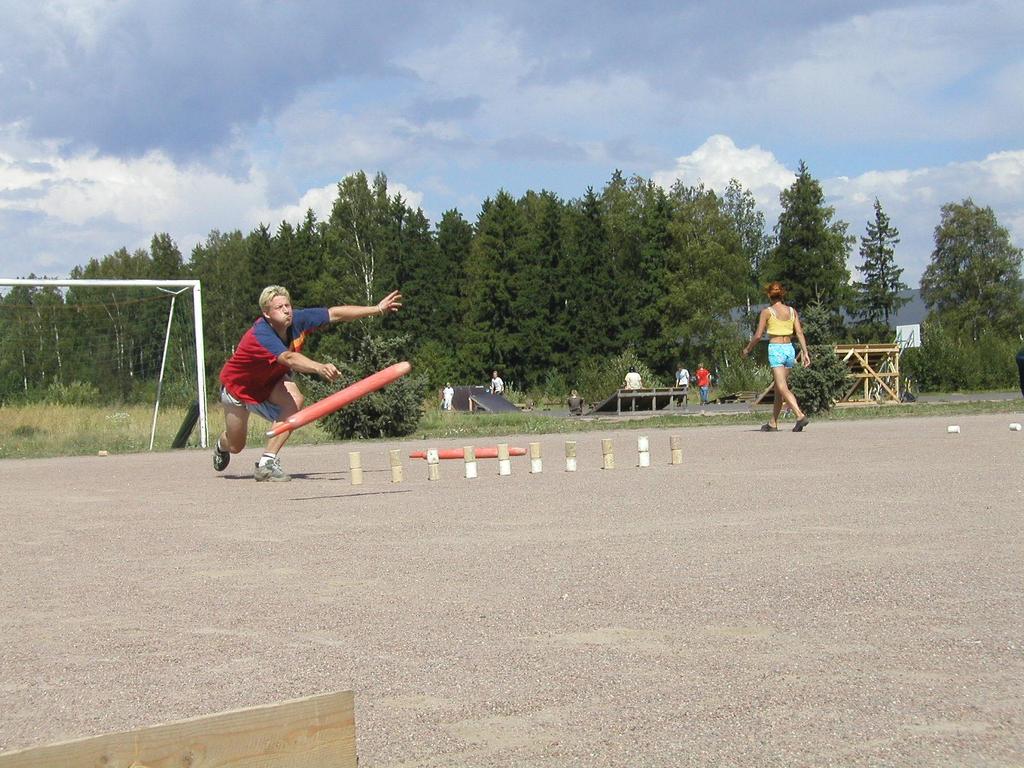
column 106, row 341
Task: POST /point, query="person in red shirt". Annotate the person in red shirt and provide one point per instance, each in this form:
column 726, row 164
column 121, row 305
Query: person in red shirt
column 703, row 383
column 257, row 377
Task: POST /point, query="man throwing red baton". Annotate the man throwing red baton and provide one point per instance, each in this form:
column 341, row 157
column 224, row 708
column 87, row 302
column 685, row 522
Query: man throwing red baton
column 257, row 378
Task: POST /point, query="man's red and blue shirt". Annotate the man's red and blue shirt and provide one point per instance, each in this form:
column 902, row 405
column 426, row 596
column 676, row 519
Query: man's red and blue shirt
column 253, row 371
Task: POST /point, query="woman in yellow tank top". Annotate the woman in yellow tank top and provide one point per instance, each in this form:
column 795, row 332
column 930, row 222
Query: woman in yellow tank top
column 781, row 323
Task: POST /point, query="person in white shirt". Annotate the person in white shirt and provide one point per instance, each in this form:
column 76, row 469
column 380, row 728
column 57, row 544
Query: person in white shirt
column 633, row 380
column 446, row 397
column 497, row 385
column 683, row 382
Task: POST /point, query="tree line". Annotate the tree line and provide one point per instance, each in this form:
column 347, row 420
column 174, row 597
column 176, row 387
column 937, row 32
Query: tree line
column 536, row 286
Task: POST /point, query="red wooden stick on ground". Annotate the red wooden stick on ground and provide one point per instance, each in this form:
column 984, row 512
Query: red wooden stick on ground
column 340, row 399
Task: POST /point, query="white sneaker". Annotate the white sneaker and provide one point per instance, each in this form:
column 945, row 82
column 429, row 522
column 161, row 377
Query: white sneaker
column 271, row 472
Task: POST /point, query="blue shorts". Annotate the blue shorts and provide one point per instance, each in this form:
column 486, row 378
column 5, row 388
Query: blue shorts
column 781, row 355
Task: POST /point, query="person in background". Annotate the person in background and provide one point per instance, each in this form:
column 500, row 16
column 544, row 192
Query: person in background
column 1020, row 369
column 497, row 385
column 781, row 323
column 632, row 380
column 683, row 382
column 703, row 376
column 575, row 403
column 447, row 394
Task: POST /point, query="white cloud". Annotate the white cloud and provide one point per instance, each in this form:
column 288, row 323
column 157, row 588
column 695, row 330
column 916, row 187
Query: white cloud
column 578, row 110
column 321, row 200
column 84, row 19
column 79, row 196
column 921, row 72
column 718, row 161
column 912, row 198
column 488, row 62
column 482, row 57
column 37, row 177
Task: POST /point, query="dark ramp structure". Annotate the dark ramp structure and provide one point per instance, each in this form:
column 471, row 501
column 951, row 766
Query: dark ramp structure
column 629, row 400
column 479, row 399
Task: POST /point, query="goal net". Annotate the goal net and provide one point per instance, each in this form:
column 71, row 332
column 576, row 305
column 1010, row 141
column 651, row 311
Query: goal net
column 104, row 342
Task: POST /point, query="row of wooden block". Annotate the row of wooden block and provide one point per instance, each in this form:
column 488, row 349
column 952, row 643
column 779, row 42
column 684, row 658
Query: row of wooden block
column 355, row 461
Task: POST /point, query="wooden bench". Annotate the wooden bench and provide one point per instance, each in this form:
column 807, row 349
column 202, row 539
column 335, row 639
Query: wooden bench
column 651, row 398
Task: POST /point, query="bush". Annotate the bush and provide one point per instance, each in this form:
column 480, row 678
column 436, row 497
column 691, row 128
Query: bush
column 744, row 376
column 602, row 377
column 390, row 412
column 554, row 389
column 946, row 363
column 819, row 387
column 75, row 393
column 437, row 362
column 817, row 324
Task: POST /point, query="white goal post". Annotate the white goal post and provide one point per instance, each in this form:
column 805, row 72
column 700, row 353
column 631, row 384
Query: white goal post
column 174, row 285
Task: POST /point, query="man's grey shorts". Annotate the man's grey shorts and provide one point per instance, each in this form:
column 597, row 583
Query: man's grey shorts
column 266, row 409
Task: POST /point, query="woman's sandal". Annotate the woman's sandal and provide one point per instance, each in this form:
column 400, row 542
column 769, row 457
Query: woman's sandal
column 769, row 428
column 801, row 424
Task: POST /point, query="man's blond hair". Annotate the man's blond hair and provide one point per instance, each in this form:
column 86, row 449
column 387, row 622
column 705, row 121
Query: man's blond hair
column 270, row 293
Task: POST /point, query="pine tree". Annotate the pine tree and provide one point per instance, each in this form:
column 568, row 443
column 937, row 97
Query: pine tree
column 133, row 331
column 536, row 304
column 490, row 326
column 355, row 238
column 811, row 251
column 973, row 283
column 305, row 259
column 656, row 212
column 427, row 291
column 437, row 290
column 637, row 214
column 230, row 295
column 708, row 275
column 878, row 296
column 262, row 269
column 619, row 208
column 755, row 242
column 454, row 243
column 592, row 317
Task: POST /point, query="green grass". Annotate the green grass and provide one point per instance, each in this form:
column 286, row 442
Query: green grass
column 456, row 425
column 41, row 430
column 37, row 431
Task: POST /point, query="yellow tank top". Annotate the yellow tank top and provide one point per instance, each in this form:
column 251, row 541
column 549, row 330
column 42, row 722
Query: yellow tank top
column 778, row 327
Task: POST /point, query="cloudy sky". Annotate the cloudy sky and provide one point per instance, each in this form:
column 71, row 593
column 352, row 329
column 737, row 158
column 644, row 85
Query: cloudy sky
column 120, row 118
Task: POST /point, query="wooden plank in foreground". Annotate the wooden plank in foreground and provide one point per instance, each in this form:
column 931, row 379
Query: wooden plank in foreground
column 314, row 732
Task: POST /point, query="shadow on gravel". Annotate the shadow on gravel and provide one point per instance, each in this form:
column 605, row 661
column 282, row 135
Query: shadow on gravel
column 349, row 495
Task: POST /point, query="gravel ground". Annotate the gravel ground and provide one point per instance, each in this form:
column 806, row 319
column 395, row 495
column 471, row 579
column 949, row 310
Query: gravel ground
column 849, row 596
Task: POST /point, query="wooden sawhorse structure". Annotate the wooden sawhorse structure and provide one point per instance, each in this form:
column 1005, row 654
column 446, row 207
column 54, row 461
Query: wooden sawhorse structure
column 874, row 374
column 874, row 370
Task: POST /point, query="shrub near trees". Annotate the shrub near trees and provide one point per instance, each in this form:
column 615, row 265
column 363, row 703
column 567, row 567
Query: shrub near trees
column 390, row 412
column 818, row 387
column 973, row 291
column 546, row 290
